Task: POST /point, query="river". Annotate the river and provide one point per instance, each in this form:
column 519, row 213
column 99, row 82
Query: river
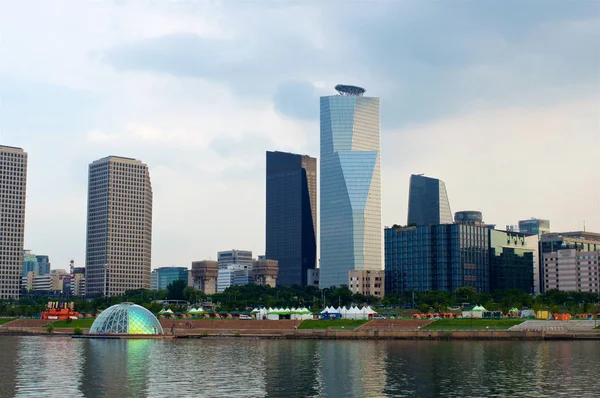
column 38, row 366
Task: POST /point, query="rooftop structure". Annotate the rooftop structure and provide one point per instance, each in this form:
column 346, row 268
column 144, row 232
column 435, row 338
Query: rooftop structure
column 344, row 89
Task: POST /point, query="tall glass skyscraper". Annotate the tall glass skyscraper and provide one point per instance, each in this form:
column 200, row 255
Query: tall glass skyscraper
column 428, row 201
column 291, row 215
column 351, row 234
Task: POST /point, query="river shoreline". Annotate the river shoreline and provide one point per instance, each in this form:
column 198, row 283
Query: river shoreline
column 336, row 334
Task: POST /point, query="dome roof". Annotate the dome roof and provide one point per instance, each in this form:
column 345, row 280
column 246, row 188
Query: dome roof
column 126, row 318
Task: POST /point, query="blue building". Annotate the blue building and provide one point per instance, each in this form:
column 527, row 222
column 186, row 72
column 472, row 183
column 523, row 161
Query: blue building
column 43, row 265
column 448, row 256
column 350, row 187
column 164, row 276
column 29, row 263
column 428, row 202
column 436, row 257
column 291, row 215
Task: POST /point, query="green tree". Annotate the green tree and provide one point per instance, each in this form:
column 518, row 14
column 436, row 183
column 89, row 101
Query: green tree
column 175, row 290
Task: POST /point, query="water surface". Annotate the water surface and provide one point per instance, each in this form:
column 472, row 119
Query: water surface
column 38, row 366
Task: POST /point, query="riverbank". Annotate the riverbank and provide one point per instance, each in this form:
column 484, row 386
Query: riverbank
column 373, row 330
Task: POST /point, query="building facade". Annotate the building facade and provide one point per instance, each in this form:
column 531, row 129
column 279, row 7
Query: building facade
column 367, row 282
column 43, row 265
column 350, row 192
column 534, row 226
column 164, row 276
column 13, row 187
column 569, row 261
column 448, row 256
column 30, row 263
column 571, row 270
column 428, row 202
column 119, row 226
column 291, row 215
column 204, row 276
column 265, row 272
column 234, row 257
column 512, row 261
column 78, row 282
column 234, row 274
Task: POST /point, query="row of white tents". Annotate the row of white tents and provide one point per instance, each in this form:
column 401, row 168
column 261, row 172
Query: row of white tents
column 349, row 313
column 299, row 313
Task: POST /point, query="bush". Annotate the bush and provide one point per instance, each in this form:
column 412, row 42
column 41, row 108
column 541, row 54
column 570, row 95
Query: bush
column 69, row 320
column 77, row 331
column 50, row 328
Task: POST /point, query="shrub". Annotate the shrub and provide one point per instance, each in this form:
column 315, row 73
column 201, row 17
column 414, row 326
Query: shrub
column 69, row 320
column 77, row 331
column 50, row 328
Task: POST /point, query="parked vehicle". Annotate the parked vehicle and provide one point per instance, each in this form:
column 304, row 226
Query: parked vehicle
column 378, row 317
column 245, row 317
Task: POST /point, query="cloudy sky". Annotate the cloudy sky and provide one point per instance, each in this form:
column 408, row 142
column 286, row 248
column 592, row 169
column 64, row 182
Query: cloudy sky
column 500, row 99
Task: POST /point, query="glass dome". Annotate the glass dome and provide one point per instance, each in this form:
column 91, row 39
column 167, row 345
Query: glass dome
column 126, row 318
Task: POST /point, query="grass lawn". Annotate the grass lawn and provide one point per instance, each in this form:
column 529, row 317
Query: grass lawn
column 6, row 320
column 336, row 324
column 81, row 323
column 475, row 324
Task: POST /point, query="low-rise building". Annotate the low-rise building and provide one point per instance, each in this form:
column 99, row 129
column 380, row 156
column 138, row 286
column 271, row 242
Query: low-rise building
column 367, row 282
column 233, row 274
column 162, row 277
column 78, row 282
column 265, row 271
column 204, row 276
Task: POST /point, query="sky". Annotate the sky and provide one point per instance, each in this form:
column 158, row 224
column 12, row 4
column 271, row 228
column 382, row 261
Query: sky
column 499, row 99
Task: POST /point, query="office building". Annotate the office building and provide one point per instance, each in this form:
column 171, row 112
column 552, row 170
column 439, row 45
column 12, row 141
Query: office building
column 428, row 201
column 571, row 270
column 367, row 282
column 569, row 261
column 291, row 215
column 312, row 277
column 265, row 271
column 512, row 261
column 13, row 186
column 29, row 263
column 77, row 284
column 204, row 276
column 534, row 226
column 119, row 226
column 234, row 257
column 162, row 277
column 234, row 274
column 350, row 191
column 43, row 265
column 436, row 257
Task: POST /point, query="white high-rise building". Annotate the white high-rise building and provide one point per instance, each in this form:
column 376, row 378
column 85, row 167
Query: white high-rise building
column 350, row 191
column 13, row 184
column 119, row 227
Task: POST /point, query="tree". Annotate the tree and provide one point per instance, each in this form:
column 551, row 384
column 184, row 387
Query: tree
column 175, row 290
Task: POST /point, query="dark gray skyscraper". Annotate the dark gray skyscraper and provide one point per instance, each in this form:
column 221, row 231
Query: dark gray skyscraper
column 428, row 201
column 119, row 226
column 291, row 215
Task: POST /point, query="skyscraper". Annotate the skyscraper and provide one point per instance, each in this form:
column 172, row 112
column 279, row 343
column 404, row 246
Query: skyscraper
column 428, row 201
column 119, row 226
column 291, row 215
column 351, row 234
column 13, row 184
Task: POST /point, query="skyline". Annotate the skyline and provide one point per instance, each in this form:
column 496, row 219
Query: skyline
column 511, row 90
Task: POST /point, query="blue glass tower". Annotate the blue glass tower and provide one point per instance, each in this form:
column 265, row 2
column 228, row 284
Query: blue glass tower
column 351, row 234
column 428, row 201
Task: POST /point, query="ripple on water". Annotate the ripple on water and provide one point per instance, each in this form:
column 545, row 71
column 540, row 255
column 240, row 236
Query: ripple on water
column 63, row 367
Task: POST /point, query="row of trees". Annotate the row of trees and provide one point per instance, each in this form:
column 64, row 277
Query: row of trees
column 250, row 296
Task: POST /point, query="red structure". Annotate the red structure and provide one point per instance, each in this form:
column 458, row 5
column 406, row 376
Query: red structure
column 60, row 311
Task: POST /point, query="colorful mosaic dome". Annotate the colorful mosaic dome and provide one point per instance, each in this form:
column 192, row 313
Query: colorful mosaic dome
column 126, row 318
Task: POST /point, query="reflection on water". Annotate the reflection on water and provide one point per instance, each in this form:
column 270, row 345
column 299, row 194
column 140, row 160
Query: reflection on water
column 64, row 367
